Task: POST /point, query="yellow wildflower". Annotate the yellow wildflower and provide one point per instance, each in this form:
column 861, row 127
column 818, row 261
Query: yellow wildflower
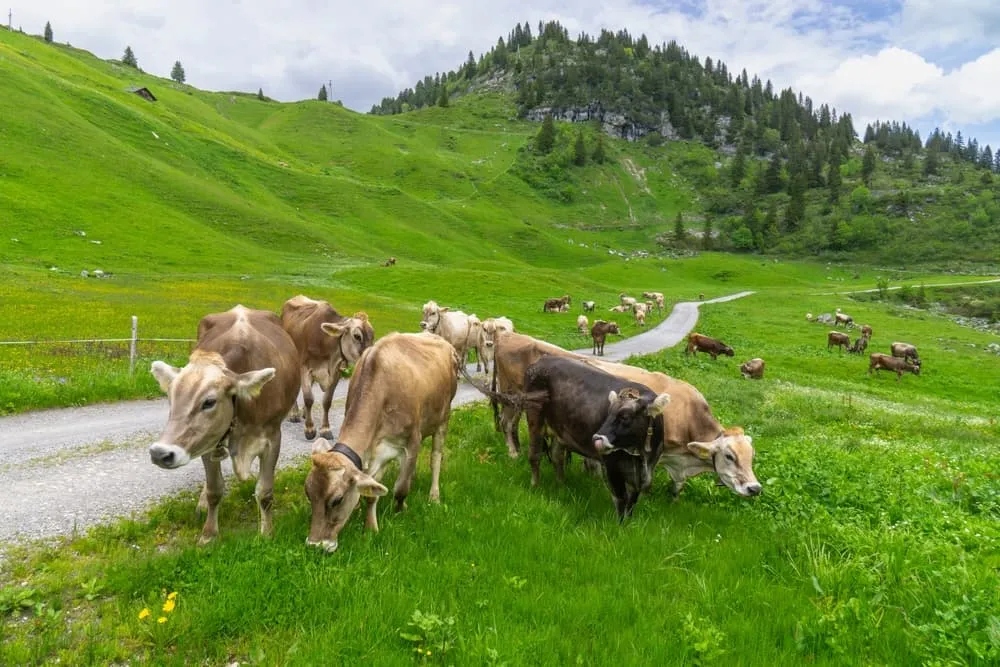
column 144, row 614
column 172, row 595
column 168, row 606
column 161, row 619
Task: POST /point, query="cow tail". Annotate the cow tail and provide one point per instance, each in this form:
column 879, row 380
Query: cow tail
column 493, row 384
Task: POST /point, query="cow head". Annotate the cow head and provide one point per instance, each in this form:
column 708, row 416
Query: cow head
column 432, row 316
column 353, row 334
column 202, row 399
column 913, row 367
column 731, row 455
column 334, row 487
column 728, row 351
column 630, row 414
column 613, row 328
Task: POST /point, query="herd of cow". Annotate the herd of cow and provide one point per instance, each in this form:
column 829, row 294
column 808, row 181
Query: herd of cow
column 248, row 366
column 903, row 357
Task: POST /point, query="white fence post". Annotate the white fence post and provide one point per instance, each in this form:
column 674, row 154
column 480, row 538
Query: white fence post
column 131, row 352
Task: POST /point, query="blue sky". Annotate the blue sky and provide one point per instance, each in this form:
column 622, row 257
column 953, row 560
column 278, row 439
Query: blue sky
column 927, row 62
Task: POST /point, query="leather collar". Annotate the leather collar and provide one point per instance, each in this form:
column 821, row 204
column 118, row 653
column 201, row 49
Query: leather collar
column 349, row 454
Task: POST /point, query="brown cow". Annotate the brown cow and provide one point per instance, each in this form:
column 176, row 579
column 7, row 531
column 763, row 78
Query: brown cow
column 905, row 351
column 699, row 343
column 752, row 369
column 866, row 331
column 600, row 332
column 229, row 400
column 400, row 393
column 390, row 262
column 839, row 340
column 880, row 362
column 559, row 305
column 327, row 344
column 860, row 345
column 843, row 318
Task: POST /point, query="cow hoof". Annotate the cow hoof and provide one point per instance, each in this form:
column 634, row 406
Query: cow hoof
column 294, row 419
column 435, row 498
column 206, row 539
column 326, row 434
column 310, row 434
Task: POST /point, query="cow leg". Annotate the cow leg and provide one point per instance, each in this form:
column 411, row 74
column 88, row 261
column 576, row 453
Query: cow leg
column 215, row 486
column 265, row 482
column 325, row 431
column 307, row 401
column 407, row 468
column 559, row 455
column 510, row 418
column 295, row 413
column 437, row 454
column 619, row 491
column 536, row 426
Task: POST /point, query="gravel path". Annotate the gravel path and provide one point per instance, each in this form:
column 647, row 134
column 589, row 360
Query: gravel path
column 66, row 469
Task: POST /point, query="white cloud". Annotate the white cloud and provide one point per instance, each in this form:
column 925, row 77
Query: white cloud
column 925, row 24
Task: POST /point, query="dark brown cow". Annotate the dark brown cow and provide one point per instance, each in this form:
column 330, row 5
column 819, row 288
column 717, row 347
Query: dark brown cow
column 400, row 393
column 327, row 344
column 390, row 262
column 753, row 369
column 599, row 332
column 229, row 400
column 883, row 362
column 559, row 305
column 699, row 343
column 860, row 345
column 839, row 340
column 905, row 351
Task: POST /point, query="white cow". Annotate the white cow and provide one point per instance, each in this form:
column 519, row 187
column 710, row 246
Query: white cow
column 487, row 338
column 452, row 326
column 639, row 310
column 582, row 324
column 475, row 326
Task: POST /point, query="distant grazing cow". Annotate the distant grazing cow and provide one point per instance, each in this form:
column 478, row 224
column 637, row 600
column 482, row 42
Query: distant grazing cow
column 327, row 343
column 699, row 343
column 627, row 301
column 582, row 324
column 390, row 262
column 843, row 318
column 588, row 306
column 905, row 351
column 701, row 296
column 400, row 393
column 752, row 369
column 809, row 317
column 879, row 362
column 655, row 298
column 229, row 401
column 659, row 303
column 639, row 312
column 866, row 330
column 559, row 305
column 599, row 332
column 452, row 326
column 618, row 309
column 472, row 343
column 839, row 340
column 487, row 336
column 860, row 345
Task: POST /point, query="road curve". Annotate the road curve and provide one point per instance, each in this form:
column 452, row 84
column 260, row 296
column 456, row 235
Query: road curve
column 63, row 470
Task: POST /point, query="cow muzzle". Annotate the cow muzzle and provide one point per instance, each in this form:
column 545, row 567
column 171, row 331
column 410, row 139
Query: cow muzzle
column 168, row 456
column 328, row 546
column 602, row 444
column 423, row 325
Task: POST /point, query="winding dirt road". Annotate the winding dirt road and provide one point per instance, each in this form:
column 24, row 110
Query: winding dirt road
column 66, row 469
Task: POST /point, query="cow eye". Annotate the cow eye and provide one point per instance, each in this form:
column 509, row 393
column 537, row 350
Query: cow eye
column 357, row 335
column 333, row 502
column 208, row 404
column 730, row 458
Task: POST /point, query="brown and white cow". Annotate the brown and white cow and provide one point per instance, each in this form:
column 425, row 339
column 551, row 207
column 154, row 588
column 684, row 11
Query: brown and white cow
column 487, row 336
column 699, row 343
column 753, row 369
column 839, row 340
column 229, row 400
column 389, row 262
column 639, row 313
column 883, row 362
column 843, row 318
column 905, row 351
column 327, row 343
column 588, row 306
column 582, row 324
column 400, row 393
column 599, row 332
column 558, row 305
column 453, row 326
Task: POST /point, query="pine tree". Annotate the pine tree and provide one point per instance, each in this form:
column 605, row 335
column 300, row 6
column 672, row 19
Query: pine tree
column 833, row 178
column 772, row 177
column 545, row 141
column 599, row 155
column 868, row 166
column 260, row 94
column 443, row 97
column 931, row 163
column 795, row 212
column 129, row 58
column 323, row 95
column 48, row 32
column 470, row 66
column 770, row 232
column 738, row 169
column 579, row 150
column 177, row 74
column 706, row 237
column 680, row 234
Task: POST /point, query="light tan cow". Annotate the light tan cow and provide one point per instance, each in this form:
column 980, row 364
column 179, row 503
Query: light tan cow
column 229, row 400
column 657, row 298
column 582, row 324
column 472, row 342
column 627, row 301
column 639, row 312
column 753, row 369
column 487, row 335
column 400, row 393
column 453, row 326
column 327, row 344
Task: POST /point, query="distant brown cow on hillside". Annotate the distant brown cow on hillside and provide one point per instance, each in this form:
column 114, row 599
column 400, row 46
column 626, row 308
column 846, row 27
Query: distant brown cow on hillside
column 883, row 362
column 838, row 339
column 699, row 343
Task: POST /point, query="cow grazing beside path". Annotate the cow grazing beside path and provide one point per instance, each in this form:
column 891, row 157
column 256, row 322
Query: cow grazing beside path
column 599, row 332
column 883, row 362
column 639, row 313
column 400, row 393
column 453, row 326
column 229, row 400
column 753, row 369
column 588, row 306
column 839, row 340
column 487, row 337
column 866, row 331
column 905, row 351
column 582, row 324
column 559, row 305
column 699, row 343
column 657, row 299
column 859, row 346
column 327, row 343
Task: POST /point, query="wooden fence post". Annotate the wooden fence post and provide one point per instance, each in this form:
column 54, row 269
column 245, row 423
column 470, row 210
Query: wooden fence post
column 131, row 352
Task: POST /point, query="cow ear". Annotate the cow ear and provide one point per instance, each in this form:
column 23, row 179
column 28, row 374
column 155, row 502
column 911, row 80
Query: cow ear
column 613, row 397
column 703, row 450
column 333, row 329
column 248, row 385
column 445, row 309
column 748, row 439
column 657, row 406
column 368, row 487
column 164, row 374
column 322, row 446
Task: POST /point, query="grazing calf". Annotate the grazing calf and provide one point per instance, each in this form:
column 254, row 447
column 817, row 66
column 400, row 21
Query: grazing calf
column 588, row 306
column 752, row 369
column 905, row 351
column 452, row 326
column 639, row 312
column 860, row 345
column 487, row 337
column 229, row 401
column 839, row 340
column 327, row 343
column 400, row 393
column 880, row 362
column 699, row 343
column 866, row 331
column 559, row 305
column 582, row 324
column 599, row 332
